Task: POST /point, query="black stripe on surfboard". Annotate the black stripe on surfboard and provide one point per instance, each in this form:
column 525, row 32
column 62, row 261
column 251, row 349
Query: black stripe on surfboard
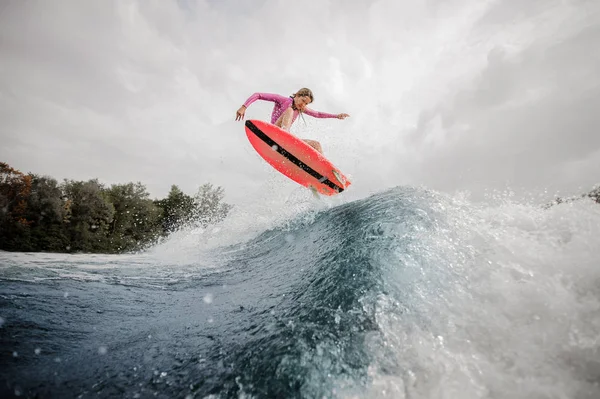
column 273, row 144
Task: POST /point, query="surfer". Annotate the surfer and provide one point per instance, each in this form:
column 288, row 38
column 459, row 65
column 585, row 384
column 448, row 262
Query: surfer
column 287, row 109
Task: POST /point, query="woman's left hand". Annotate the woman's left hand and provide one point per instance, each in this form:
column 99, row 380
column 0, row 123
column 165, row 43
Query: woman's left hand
column 342, row 116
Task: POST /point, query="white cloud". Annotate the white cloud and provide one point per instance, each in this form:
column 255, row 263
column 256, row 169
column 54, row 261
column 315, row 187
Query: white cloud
column 451, row 95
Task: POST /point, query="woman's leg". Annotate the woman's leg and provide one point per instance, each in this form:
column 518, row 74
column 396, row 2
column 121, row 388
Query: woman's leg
column 314, row 144
column 285, row 122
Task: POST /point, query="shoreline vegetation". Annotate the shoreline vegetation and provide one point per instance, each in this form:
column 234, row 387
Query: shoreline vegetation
column 594, row 195
column 39, row 214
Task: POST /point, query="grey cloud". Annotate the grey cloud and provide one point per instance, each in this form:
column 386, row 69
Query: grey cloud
column 522, row 120
column 147, row 91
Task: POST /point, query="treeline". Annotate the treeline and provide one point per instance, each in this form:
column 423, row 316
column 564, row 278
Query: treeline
column 39, row 214
column 594, row 195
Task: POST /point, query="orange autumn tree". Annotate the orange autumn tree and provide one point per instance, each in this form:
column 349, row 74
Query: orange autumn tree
column 15, row 188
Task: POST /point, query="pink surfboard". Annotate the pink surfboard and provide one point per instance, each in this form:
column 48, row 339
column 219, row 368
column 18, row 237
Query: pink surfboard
column 295, row 159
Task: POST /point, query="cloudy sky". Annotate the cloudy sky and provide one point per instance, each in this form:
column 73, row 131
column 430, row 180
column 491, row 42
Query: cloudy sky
column 452, row 95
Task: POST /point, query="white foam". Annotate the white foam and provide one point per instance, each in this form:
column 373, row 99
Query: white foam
column 517, row 316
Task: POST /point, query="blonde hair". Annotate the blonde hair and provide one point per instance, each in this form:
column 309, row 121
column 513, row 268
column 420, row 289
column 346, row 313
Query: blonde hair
column 304, row 92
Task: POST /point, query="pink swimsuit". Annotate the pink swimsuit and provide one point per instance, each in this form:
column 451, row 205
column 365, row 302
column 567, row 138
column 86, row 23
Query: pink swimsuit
column 281, row 104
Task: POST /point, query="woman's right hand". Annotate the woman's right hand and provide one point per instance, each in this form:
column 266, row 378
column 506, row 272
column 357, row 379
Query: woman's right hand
column 239, row 115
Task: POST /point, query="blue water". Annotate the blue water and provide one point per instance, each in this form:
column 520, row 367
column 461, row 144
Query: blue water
column 404, row 294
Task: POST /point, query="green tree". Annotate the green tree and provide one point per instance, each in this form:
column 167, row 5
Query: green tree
column 595, row 194
column 39, row 214
column 136, row 220
column 46, row 212
column 209, row 207
column 178, row 208
column 89, row 215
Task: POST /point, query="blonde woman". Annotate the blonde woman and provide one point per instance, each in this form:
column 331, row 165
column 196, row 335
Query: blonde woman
column 287, row 109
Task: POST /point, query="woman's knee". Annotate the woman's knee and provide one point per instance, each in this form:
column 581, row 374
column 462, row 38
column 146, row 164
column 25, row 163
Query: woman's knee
column 314, row 144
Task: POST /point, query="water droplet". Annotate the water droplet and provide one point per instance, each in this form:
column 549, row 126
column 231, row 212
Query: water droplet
column 274, row 147
column 15, row 354
column 37, row 351
column 102, row 350
column 210, row 320
column 66, row 295
column 208, row 298
column 163, row 374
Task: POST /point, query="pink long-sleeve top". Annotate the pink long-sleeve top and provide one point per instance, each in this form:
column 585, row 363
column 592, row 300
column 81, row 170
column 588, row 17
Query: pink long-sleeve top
column 281, row 104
